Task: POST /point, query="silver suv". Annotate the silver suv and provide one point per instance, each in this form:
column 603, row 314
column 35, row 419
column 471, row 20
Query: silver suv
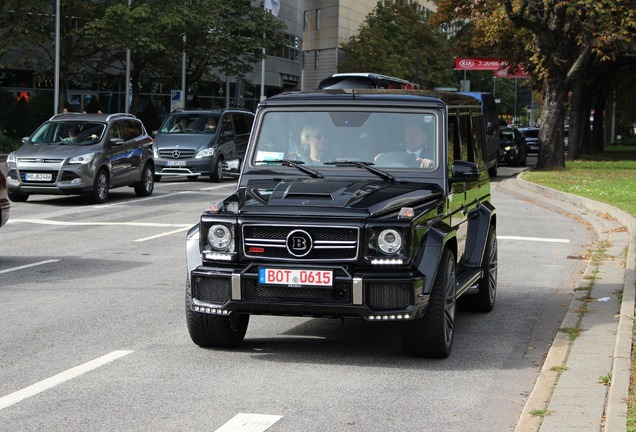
column 83, row 154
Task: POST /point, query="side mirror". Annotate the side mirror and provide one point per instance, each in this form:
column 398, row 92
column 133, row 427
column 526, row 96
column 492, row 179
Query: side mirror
column 464, row 171
column 24, row 140
column 227, row 134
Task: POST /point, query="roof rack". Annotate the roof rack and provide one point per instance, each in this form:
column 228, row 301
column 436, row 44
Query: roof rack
column 64, row 114
column 110, row 116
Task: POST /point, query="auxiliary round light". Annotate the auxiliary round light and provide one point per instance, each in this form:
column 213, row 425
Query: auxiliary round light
column 390, row 241
column 220, row 237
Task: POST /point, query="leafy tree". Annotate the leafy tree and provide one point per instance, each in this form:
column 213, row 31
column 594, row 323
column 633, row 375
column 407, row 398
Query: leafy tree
column 560, row 41
column 397, row 39
column 221, row 35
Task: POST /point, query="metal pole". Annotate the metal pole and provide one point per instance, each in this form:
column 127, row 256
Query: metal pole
column 263, row 76
column 127, row 87
column 56, row 84
column 183, row 74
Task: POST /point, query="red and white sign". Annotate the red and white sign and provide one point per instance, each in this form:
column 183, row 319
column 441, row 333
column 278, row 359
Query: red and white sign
column 500, row 67
column 463, row 63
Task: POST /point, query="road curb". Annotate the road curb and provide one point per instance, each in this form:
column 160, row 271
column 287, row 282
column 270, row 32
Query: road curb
column 614, row 407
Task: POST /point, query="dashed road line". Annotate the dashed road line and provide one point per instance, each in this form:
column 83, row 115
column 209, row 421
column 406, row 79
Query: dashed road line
column 22, row 267
column 534, row 239
column 163, row 234
column 51, row 382
column 249, row 423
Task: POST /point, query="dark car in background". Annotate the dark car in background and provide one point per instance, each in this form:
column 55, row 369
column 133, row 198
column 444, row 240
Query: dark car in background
column 195, row 143
column 513, row 147
column 5, row 204
column 82, row 154
column 531, row 135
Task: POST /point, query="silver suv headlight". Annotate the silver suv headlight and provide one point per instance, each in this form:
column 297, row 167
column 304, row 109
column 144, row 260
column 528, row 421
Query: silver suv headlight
column 82, row 159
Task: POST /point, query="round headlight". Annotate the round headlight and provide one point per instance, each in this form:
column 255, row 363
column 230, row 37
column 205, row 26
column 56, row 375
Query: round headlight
column 390, row 241
column 220, row 237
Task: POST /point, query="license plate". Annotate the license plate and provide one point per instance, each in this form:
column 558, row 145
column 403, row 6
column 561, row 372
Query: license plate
column 295, row 277
column 38, row 177
column 175, row 163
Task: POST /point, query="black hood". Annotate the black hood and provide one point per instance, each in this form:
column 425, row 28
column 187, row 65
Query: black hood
column 305, row 196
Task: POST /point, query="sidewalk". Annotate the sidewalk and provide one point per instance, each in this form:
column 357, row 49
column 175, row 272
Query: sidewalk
column 571, row 390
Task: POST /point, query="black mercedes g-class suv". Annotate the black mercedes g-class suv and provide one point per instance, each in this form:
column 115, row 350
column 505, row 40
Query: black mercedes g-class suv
column 334, row 216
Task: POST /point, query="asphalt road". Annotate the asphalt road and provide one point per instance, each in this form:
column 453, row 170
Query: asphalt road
column 93, row 335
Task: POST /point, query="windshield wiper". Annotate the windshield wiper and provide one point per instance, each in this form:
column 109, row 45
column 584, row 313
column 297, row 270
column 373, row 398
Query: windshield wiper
column 366, row 165
column 294, row 163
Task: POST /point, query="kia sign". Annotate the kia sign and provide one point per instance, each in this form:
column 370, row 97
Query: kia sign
column 500, row 67
column 479, row 64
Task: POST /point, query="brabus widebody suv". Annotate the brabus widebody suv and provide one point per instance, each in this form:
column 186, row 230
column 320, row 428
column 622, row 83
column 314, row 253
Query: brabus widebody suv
column 368, row 231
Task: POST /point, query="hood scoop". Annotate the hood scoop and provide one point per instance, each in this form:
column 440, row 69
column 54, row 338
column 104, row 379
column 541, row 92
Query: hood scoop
column 318, row 192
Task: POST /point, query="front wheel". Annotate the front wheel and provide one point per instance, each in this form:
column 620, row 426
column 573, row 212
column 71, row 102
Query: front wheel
column 146, row 185
column 215, row 331
column 100, row 187
column 432, row 335
column 18, row 197
column 217, row 175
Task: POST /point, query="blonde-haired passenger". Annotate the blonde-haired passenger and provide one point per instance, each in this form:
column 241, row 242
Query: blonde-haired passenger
column 313, row 146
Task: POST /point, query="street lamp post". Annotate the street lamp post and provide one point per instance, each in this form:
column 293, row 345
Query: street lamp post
column 56, row 84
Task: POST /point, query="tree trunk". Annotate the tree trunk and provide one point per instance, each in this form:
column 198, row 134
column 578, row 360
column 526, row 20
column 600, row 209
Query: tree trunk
column 551, row 151
column 598, row 130
column 580, row 105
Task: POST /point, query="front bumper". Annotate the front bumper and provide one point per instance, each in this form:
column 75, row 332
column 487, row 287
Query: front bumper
column 184, row 167
column 53, row 180
column 373, row 296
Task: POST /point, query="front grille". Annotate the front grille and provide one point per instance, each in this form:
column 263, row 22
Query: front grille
column 180, row 153
column 211, row 290
column 388, row 295
column 340, row 293
column 37, row 160
column 329, row 243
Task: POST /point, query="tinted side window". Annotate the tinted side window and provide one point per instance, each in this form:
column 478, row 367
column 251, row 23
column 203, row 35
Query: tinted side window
column 243, row 123
column 132, row 129
column 478, row 138
column 226, row 125
column 454, row 148
column 116, row 130
column 465, row 152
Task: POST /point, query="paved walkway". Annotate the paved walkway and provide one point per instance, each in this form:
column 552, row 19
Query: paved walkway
column 584, row 382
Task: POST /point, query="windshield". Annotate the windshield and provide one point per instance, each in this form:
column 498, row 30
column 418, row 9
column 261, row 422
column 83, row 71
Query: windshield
column 69, row 132
column 531, row 133
column 190, row 123
column 388, row 139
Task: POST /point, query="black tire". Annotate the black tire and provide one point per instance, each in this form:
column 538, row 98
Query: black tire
column 157, row 178
column 214, row 331
column 192, row 178
column 484, row 300
column 492, row 171
column 18, row 197
column 217, row 175
column 432, row 335
column 146, row 185
column 100, row 187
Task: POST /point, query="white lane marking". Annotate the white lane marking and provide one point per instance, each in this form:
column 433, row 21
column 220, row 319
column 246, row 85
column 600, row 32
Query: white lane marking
column 63, row 223
column 163, row 234
column 249, row 423
column 12, row 269
column 168, row 195
column 534, row 239
column 48, row 383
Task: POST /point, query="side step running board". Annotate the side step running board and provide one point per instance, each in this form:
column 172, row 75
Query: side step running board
column 467, row 283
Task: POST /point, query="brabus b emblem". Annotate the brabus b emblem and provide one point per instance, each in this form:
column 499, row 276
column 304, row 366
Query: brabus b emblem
column 299, row 243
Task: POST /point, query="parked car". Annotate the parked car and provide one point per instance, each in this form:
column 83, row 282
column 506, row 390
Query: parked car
column 333, row 216
column 83, row 154
column 531, row 134
column 5, row 204
column 196, row 143
column 514, row 149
